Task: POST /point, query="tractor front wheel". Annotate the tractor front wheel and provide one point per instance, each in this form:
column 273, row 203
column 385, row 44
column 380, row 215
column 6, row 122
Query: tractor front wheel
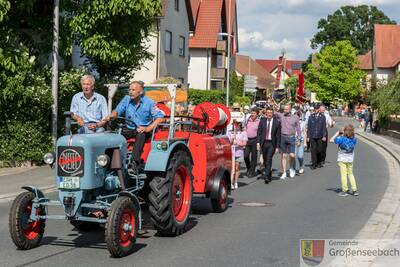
column 170, row 198
column 25, row 233
column 121, row 227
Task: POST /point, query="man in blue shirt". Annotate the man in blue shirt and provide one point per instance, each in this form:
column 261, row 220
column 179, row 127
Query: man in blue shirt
column 88, row 107
column 141, row 114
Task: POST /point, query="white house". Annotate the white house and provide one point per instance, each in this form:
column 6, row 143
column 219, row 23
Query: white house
column 208, row 44
column 383, row 61
column 169, row 44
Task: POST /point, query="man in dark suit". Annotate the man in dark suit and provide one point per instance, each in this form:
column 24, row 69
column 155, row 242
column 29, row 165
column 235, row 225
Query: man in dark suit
column 269, row 137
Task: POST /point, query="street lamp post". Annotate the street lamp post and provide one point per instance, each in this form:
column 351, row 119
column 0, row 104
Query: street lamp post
column 54, row 78
column 228, row 75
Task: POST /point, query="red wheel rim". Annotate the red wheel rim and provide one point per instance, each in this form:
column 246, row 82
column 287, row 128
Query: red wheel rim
column 223, row 194
column 126, row 227
column 30, row 228
column 181, row 194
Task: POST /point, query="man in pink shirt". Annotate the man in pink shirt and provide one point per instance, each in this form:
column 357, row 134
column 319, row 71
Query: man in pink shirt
column 250, row 152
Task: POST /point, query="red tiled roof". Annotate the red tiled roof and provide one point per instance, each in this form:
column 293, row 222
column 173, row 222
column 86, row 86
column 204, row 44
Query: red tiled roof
column 366, row 61
column 387, row 45
column 195, row 4
column 271, row 64
column 208, row 14
column 207, row 24
column 264, row 78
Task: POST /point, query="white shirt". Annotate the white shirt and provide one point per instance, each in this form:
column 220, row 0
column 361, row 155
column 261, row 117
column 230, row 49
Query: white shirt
column 329, row 120
column 270, row 128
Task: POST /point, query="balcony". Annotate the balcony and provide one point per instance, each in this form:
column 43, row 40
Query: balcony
column 222, row 46
column 218, row 73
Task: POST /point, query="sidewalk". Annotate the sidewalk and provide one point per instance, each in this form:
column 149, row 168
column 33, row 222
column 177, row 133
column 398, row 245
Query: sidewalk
column 13, row 179
column 384, row 223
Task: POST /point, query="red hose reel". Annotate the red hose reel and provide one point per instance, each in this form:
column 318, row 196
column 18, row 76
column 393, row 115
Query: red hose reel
column 215, row 116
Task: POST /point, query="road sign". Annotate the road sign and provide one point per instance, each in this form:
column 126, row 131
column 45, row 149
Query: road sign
column 250, row 90
column 250, row 81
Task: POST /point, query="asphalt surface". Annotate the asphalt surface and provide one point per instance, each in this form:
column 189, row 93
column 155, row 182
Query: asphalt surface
column 305, row 208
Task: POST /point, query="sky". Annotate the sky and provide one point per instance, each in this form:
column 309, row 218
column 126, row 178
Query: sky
column 268, row 26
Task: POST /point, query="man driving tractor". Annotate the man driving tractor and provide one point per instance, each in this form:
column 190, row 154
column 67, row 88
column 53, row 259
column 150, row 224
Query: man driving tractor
column 142, row 116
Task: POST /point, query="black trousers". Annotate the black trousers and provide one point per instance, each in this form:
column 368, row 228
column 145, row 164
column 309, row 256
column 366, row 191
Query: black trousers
column 324, row 148
column 316, row 151
column 250, row 155
column 139, row 142
column 268, row 153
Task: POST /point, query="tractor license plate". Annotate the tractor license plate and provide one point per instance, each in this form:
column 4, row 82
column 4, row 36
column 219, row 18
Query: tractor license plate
column 69, row 183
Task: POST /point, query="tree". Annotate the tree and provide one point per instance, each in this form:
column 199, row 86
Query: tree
column 292, row 83
column 335, row 73
column 387, row 99
column 111, row 33
column 353, row 23
column 236, row 86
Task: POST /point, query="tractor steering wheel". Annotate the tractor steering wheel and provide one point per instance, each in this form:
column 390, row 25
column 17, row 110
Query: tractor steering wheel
column 120, row 123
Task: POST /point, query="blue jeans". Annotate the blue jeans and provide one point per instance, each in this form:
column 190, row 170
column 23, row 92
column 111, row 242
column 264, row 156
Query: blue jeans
column 300, row 154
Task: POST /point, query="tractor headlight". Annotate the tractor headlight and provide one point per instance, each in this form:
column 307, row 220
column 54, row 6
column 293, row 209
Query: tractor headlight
column 48, row 158
column 164, row 145
column 103, row 160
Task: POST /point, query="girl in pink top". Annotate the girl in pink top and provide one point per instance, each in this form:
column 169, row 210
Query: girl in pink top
column 238, row 138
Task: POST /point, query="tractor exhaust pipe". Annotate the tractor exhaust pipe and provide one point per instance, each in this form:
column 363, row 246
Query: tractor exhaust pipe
column 116, row 164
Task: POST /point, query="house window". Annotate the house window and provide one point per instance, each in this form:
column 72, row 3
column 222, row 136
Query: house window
column 181, row 46
column 220, row 61
column 217, row 85
column 168, row 41
column 177, row 5
column 296, row 66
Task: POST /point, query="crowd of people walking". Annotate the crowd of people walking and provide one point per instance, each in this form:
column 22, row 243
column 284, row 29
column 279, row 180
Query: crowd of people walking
column 287, row 131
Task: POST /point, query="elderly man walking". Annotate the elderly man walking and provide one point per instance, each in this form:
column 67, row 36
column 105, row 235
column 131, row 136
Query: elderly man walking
column 290, row 125
column 316, row 133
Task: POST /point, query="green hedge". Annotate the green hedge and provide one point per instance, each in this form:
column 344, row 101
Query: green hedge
column 198, row 96
column 25, row 105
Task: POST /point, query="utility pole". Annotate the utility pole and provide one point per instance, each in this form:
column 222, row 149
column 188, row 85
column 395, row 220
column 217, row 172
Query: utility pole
column 54, row 77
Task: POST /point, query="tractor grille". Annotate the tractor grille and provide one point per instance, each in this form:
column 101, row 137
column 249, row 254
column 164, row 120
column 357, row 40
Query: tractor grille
column 70, row 161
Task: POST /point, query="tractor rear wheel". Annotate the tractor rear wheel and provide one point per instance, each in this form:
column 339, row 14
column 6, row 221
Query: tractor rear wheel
column 121, row 227
column 170, row 198
column 220, row 203
column 25, row 234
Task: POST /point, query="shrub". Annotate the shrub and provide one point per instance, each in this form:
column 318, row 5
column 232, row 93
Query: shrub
column 200, row 96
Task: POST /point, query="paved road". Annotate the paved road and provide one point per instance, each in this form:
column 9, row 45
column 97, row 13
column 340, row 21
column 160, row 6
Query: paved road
column 306, row 207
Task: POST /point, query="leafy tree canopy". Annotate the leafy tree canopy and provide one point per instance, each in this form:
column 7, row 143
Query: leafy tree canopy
column 387, row 98
column 335, row 73
column 353, row 23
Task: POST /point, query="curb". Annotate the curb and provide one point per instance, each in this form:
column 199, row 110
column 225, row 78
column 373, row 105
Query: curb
column 395, row 155
column 384, row 222
column 11, row 196
column 16, row 170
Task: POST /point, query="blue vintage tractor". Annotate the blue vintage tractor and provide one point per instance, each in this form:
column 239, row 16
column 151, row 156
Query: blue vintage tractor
column 97, row 184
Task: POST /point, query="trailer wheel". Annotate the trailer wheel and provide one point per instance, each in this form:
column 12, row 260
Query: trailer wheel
column 220, row 203
column 170, row 198
column 24, row 233
column 121, row 227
